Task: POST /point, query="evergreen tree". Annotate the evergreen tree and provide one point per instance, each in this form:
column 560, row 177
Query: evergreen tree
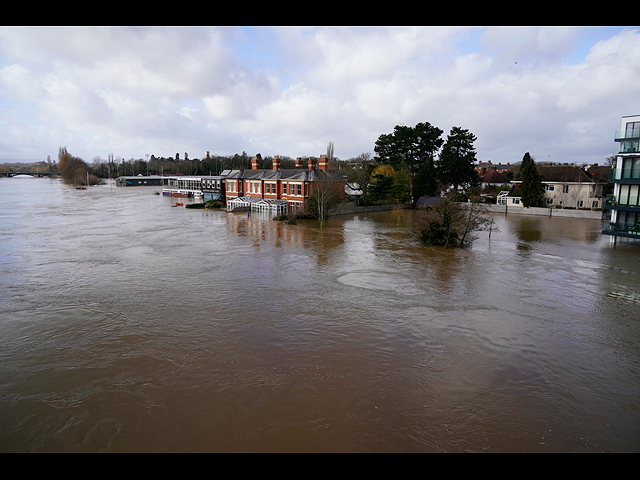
column 426, row 183
column 531, row 189
column 381, row 187
column 399, row 191
column 457, row 160
column 409, row 147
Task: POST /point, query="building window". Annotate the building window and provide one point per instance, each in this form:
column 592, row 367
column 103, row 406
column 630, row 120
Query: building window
column 549, row 201
column 299, row 190
column 632, row 129
column 549, row 188
column 565, row 188
column 580, row 204
column 631, row 168
column 515, row 201
column 284, row 188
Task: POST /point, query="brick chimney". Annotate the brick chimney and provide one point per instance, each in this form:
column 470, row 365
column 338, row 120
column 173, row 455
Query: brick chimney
column 254, row 163
column 322, row 164
column 312, row 163
column 276, row 162
column 298, row 162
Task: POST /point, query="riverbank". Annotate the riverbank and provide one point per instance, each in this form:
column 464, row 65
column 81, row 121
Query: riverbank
column 348, row 208
column 546, row 212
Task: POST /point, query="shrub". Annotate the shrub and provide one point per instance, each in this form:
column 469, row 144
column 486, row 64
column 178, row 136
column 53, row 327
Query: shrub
column 452, row 224
column 288, row 218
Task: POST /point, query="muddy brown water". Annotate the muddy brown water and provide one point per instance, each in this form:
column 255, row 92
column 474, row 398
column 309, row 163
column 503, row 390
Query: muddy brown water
column 130, row 325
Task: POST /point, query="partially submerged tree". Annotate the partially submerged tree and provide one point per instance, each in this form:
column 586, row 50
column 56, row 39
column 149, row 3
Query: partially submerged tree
column 325, row 195
column 453, row 224
column 74, row 169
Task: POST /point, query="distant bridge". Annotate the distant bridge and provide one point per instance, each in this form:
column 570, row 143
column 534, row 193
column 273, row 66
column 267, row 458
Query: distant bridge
column 33, row 174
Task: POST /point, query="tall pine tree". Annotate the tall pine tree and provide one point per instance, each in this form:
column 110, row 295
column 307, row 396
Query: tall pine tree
column 457, row 160
column 531, row 190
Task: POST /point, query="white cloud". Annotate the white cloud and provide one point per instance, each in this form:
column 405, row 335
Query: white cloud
column 292, row 90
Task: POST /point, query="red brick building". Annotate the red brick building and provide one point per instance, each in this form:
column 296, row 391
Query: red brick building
column 281, row 191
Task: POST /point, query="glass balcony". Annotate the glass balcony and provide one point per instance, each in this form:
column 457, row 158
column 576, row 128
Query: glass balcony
column 609, row 228
column 620, row 174
column 628, row 147
column 627, row 134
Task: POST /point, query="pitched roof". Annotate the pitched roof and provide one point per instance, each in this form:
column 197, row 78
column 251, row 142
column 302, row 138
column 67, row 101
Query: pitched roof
column 425, row 201
column 515, row 191
column 564, row 173
column 290, row 175
column 493, row 176
column 600, row 172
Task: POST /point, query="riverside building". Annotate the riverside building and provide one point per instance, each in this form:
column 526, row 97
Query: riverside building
column 622, row 214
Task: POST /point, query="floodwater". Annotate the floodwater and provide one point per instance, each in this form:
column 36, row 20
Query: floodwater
column 130, row 325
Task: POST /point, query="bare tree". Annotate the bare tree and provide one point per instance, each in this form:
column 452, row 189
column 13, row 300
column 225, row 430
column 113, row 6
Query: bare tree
column 324, row 196
column 330, row 151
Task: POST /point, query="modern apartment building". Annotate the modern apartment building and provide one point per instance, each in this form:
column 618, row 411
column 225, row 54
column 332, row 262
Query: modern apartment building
column 622, row 214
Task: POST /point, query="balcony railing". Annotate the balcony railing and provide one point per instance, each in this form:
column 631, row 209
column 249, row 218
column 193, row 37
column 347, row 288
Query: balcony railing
column 628, row 147
column 628, row 229
column 619, row 173
column 627, row 134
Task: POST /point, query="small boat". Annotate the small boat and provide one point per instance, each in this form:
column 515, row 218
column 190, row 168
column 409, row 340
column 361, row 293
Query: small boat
column 179, row 204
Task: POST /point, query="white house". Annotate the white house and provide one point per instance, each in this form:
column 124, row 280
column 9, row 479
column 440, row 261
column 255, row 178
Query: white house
column 565, row 186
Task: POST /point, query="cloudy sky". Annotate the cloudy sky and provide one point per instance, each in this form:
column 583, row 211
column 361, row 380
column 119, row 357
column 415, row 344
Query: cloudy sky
column 558, row 93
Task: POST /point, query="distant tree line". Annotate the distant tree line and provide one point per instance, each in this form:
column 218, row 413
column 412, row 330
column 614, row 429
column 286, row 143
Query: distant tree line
column 182, row 165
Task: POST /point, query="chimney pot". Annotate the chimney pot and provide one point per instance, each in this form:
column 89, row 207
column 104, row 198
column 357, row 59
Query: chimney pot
column 322, row 165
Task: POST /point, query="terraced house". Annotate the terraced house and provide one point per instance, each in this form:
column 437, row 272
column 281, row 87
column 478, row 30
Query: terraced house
column 281, row 191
